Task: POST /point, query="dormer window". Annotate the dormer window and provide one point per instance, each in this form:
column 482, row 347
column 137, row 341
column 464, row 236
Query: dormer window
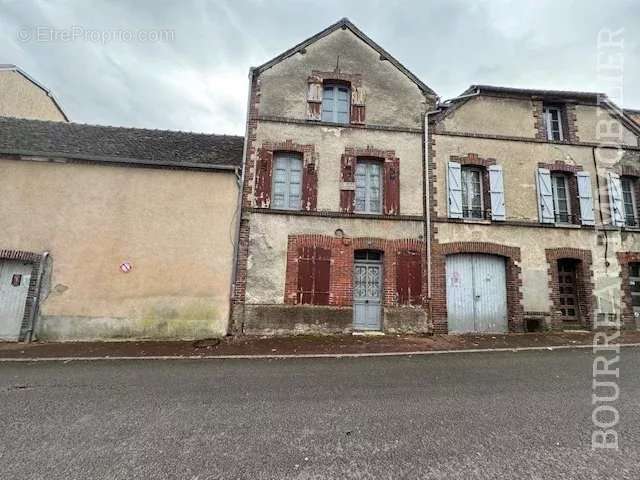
column 553, row 122
column 336, row 99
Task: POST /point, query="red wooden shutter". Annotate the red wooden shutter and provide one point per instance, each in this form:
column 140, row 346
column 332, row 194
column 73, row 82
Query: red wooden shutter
column 391, row 190
column 314, row 264
column 347, row 183
column 264, row 171
column 309, row 187
column 357, row 105
column 409, row 277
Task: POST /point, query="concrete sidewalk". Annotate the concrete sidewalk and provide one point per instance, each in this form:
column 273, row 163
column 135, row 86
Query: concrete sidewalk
column 335, row 345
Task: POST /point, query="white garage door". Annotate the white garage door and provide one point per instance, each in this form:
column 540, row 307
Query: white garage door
column 476, row 293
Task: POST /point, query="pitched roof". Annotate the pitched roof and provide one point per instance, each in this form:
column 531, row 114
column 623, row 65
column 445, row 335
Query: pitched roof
column 345, row 23
column 537, row 92
column 15, row 68
column 135, row 146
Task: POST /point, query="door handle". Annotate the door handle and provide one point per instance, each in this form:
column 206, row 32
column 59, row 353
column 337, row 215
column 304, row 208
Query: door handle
column 366, row 301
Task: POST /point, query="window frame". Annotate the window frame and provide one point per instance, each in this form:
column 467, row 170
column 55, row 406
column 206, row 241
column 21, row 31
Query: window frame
column 631, row 183
column 547, row 109
column 567, row 197
column 464, row 172
column 367, row 209
column 335, row 87
column 289, row 157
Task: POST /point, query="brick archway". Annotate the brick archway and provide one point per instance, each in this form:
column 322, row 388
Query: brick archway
column 626, row 307
column 515, row 311
column 35, row 259
column 584, row 283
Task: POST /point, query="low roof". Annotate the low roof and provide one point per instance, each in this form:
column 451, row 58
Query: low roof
column 119, row 145
column 15, row 68
column 537, row 92
column 345, row 23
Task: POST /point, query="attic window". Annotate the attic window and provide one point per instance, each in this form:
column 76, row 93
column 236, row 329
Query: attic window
column 553, row 122
column 336, row 100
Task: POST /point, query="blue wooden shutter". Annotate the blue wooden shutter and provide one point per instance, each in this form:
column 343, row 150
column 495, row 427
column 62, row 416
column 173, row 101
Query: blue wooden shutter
column 545, row 196
column 454, row 186
column 587, row 216
column 496, row 188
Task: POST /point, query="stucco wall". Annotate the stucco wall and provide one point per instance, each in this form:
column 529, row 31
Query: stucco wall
column 174, row 226
column 330, row 143
column 595, row 125
column 19, row 97
column 268, row 246
column 493, row 116
column 391, row 97
column 519, row 161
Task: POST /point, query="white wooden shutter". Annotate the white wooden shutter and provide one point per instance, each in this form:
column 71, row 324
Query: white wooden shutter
column 496, row 188
column 586, row 198
column 616, row 207
column 545, row 197
column 454, row 185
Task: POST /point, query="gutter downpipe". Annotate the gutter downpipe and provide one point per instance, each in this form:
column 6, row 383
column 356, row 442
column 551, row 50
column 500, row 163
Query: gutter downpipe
column 36, row 303
column 427, row 186
column 236, row 243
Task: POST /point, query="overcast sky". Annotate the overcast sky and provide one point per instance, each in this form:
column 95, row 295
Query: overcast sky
column 195, row 77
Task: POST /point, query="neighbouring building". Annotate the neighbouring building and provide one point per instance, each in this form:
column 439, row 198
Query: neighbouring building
column 115, row 232
column 23, row 97
column 332, row 229
column 534, row 205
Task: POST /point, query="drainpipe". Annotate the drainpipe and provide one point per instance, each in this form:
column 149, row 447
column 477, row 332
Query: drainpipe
column 36, row 303
column 236, row 243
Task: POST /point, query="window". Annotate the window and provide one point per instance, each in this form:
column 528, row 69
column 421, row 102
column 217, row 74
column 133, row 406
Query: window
column 553, row 123
column 368, row 187
column 335, row 103
column 287, row 181
column 561, row 202
column 629, row 201
column 472, row 201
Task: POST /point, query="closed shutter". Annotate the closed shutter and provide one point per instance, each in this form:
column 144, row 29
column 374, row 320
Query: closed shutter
column 545, row 196
column 585, row 195
column 309, row 187
column 409, row 278
column 314, row 99
column 357, row 105
column 314, row 265
column 454, row 186
column 391, row 187
column 616, row 207
column 347, row 183
column 496, row 188
column 264, row 172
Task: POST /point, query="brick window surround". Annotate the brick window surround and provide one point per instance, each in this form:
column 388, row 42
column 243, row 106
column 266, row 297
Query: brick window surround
column 584, row 281
column 35, row 260
column 515, row 311
column 570, row 171
column 473, row 160
column 315, row 84
column 624, row 259
column 568, row 117
column 342, row 260
column 264, row 172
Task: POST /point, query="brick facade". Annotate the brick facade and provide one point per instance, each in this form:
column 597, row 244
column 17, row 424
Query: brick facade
column 515, row 312
column 584, row 283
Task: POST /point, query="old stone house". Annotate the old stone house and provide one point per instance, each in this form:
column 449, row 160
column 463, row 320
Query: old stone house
column 115, row 232
column 332, row 229
column 24, row 97
column 534, row 198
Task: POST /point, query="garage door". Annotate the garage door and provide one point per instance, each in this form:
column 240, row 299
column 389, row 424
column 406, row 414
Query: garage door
column 476, row 293
column 14, row 286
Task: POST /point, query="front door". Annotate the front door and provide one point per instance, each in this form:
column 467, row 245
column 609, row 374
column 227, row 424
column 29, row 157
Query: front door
column 14, row 286
column 568, row 291
column 476, row 293
column 367, row 291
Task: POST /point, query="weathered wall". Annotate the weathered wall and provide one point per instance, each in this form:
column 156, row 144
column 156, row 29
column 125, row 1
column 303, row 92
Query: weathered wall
column 174, row 226
column 392, row 98
column 595, row 125
column 519, row 161
column 493, row 116
column 19, row 97
column 330, row 143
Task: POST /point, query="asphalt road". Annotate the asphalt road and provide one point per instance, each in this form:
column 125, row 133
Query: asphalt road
column 460, row 416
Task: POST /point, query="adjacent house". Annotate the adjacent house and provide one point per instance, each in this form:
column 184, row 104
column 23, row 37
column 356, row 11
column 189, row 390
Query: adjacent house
column 332, row 229
column 115, row 232
column 24, row 97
